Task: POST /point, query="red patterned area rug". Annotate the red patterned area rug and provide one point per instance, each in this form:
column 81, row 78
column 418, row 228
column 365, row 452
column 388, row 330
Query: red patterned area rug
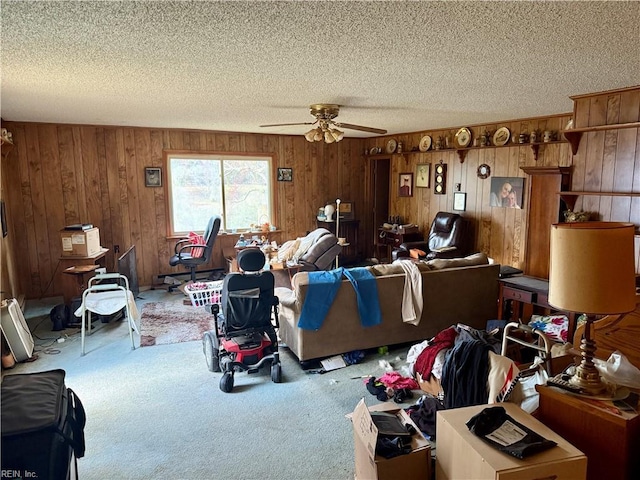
column 162, row 323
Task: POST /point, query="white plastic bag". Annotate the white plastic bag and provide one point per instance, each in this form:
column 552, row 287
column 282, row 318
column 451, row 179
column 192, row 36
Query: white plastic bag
column 618, row 370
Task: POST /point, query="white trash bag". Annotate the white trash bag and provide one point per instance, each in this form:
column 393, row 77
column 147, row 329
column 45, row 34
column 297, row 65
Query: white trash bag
column 618, row 370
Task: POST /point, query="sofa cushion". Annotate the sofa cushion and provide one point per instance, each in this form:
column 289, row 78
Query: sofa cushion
column 479, row 258
column 394, row 269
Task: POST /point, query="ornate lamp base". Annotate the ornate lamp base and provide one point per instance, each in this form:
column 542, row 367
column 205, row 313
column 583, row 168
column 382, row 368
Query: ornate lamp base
column 587, row 376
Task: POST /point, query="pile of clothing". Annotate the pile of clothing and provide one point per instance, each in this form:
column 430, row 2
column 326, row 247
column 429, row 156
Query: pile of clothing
column 459, row 367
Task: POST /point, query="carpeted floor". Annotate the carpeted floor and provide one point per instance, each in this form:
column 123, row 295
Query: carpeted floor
column 163, row 323
column 158, row 413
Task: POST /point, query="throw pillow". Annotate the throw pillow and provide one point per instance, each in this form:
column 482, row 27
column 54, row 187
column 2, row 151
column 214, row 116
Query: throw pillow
column 196, row 239
column 479, row 258
column 553, row 326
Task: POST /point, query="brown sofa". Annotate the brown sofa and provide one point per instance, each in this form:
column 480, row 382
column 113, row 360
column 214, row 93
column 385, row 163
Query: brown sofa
column 460, row 294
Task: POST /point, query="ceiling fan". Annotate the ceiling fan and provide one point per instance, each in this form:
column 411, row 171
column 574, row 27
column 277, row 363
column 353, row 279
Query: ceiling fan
column 326, row 130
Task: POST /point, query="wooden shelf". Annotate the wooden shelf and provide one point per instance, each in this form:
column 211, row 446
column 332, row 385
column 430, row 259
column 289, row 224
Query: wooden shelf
column 462, row 152
column 574, row 135
column 571, row 196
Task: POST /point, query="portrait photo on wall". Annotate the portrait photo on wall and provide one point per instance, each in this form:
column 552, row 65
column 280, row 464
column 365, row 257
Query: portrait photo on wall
column 406, row 185
column 506, row 192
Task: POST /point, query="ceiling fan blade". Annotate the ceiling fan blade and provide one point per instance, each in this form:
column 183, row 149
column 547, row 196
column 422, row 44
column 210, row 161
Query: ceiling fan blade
column 360, row 127
column 287, row 124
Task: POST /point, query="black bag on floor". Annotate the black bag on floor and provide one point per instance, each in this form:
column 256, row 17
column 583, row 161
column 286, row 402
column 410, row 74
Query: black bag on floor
column 42, row 425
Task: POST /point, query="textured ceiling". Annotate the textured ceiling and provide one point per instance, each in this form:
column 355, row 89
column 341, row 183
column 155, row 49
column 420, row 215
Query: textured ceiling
column 401, row 66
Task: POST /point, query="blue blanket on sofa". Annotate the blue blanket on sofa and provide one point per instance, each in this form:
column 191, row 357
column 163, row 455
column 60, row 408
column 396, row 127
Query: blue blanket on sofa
column 323, row 288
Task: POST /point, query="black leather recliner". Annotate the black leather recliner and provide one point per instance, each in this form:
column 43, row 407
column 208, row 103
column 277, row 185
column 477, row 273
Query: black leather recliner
column 447, row 239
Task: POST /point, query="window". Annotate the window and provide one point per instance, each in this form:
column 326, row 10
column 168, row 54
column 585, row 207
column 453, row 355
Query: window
column 236, row 187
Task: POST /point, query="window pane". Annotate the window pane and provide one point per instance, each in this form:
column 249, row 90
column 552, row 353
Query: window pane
column 196, row 193
column 246, row 188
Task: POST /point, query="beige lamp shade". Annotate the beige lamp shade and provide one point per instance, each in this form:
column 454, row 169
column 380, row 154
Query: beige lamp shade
column 592, row 267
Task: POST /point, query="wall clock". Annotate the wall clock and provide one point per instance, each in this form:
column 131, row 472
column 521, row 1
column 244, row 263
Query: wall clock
column 484, row 171
column 440, row 179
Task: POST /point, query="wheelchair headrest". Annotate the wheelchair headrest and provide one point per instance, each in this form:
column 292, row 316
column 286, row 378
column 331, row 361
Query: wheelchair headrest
column 251, row 259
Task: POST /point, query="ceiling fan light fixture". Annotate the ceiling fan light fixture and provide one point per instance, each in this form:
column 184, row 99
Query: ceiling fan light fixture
column 328, row 137
column 318, row 135
column 310, row 135
column 337, row 134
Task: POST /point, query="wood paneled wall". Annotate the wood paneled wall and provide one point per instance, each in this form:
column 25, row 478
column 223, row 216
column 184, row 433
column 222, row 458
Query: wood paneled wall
column 609, row 160
column 61, row 174
column 499, row 232
column 57, row 175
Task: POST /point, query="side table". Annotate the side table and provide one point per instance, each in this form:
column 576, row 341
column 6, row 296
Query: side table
column 71, row 278
column 390, row 239
column 610, row 440
column 524, row 293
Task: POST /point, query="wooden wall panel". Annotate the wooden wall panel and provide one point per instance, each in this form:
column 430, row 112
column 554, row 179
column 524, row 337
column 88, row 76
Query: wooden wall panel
column 609, row 159
column 499, row 232
column 63, row 174
column 66, row 174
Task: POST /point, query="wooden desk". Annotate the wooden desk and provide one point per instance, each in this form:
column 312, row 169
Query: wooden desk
column 524, row 294
column 71, row 280
column 610, row 441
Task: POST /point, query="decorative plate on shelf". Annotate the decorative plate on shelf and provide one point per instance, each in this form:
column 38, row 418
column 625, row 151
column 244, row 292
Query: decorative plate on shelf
column 463, row 137
column 425, row 143
column 484, row 171
column 501, row 137
column 391, row 146
column 373, row 150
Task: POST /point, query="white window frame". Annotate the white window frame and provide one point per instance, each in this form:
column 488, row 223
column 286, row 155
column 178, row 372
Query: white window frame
column 222, row 157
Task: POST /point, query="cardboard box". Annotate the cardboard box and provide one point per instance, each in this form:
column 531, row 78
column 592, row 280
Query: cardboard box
column 462, row 454
column 80, row 243
column 416, row 464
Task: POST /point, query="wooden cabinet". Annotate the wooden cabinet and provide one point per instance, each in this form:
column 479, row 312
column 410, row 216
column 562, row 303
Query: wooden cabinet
column 545, row 209
column 610, row 438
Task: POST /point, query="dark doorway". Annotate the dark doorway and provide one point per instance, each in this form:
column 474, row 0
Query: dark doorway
column 380, row 171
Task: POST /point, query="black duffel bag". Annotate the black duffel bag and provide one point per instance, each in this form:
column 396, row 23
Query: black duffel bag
column 42, row 425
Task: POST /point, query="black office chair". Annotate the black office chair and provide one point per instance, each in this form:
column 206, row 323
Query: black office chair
column 183, row 249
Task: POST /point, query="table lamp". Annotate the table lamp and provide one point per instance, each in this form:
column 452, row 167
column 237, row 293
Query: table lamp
column 592, row 271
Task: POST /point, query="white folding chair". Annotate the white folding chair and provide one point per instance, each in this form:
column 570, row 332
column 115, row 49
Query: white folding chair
column 108, row 298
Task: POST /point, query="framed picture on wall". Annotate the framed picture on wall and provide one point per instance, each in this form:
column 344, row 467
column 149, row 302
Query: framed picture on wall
column 152, row 177
column 506, row 192
column 406, row 185
column 285, row 174
column 459, row 201
column 423, row 173
column 347, row 211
